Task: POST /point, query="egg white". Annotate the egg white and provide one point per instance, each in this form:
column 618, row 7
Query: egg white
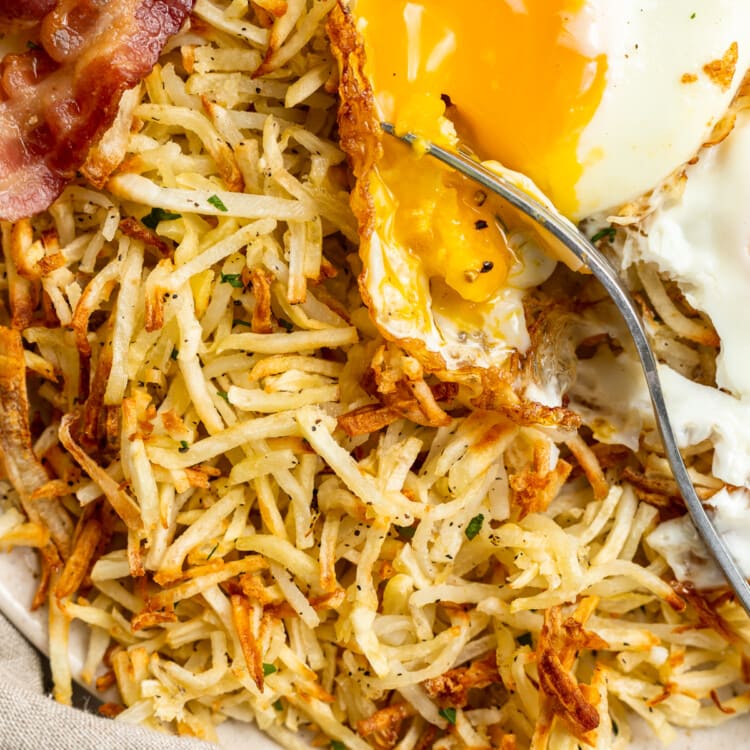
column 698, row 237
column 701, row 240
column 649, row 121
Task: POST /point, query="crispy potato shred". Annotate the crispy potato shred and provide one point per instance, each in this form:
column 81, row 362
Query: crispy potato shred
column 260, row 509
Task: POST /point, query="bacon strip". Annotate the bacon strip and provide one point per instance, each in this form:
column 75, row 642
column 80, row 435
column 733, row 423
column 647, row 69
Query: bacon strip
column 61, row 98
column 14, row 11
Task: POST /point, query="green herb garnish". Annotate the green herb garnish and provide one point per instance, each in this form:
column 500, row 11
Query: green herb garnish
column 217, row 202
column 224, row 395
column 156, row 215
column 210, row 554
column 608, row 233
column 184, row 447
column 237, row 322
column 474, row 526
column 336, row 745
column 405, row 532
column 449, row 714
column 524, row 639
column 285, row 324
column 233, row 279
column 175, row 353
column 268, row 669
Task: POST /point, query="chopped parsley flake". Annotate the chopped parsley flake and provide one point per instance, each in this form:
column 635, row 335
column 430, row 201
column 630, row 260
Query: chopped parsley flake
column 152, row 219
column 449, row 714
column 175, row 353
column 210, row 554
column 223, row 394
column 233, row 279
column 184, row 447
column 217, row 202
column 405, row 532
column 278, row 705
column 268, row 669
column 237, row 322
column 524, row 639
column 608, row 233
column 474, row 526
column 336, row 745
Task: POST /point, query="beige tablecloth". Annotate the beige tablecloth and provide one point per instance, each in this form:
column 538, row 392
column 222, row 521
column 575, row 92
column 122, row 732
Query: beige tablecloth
column 30, row 720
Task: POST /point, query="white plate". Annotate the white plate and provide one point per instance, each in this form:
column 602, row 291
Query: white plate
column 18, row 571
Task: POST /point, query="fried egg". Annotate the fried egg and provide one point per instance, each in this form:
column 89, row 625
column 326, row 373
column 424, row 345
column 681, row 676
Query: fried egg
column 594, row 102
column 699, row 237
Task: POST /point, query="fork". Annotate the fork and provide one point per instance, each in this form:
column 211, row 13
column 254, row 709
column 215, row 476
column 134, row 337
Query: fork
column 602, row 269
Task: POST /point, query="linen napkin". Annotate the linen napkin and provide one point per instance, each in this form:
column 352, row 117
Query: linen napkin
column 30, row 720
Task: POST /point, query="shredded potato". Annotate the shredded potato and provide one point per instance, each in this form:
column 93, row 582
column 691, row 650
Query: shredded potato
column 264, row 512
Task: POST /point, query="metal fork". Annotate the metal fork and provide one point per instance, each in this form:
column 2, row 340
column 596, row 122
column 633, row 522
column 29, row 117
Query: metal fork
column 600, row 267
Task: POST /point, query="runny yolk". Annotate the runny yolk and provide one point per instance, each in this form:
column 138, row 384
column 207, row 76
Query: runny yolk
column 519, row 89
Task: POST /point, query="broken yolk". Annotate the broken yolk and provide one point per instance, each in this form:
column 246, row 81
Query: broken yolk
column 509, row 76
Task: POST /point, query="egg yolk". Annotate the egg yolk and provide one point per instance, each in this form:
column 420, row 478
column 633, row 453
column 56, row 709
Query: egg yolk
column 518, row 88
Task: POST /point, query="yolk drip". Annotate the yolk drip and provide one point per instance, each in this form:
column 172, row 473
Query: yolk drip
column 448, row 222
column 518, row 90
